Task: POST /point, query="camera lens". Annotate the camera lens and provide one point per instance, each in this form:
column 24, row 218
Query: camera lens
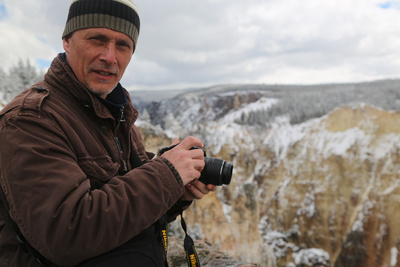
column 216, row 172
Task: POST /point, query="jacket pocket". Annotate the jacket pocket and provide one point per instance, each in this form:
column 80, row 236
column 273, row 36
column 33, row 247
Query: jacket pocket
column 98, row 169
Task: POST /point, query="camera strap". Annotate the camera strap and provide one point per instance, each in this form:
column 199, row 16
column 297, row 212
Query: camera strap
column 163, row 232
column 191, row 255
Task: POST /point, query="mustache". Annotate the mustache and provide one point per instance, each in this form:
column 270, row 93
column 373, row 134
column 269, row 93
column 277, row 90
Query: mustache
column 105, row 67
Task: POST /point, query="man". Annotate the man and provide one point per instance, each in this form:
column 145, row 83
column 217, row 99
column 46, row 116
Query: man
column 77, row 183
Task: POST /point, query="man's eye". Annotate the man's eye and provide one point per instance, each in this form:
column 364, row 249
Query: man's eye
column 124, row 45
column 96, row 39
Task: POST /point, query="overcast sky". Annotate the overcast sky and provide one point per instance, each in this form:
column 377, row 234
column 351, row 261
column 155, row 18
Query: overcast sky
column 200, row 43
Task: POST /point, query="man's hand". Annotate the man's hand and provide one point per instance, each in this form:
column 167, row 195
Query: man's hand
column 197, row 190
column 188, row 163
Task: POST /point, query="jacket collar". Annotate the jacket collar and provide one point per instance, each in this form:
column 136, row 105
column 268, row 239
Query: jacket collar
column 115, row 102
column 61, row 77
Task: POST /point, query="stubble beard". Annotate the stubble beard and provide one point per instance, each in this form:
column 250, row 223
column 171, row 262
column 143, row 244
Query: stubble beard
column 102, row 92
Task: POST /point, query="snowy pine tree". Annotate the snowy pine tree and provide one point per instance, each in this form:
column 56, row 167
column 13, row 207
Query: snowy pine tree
column 3, row 77
column 20, row 77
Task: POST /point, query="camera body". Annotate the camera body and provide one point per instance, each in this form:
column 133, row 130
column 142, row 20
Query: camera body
column 215, row 171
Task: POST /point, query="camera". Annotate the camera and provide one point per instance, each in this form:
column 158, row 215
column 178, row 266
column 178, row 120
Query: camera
column 215, row 171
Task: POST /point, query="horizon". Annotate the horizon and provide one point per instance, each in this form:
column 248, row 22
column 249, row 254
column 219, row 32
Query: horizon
column 202, row 44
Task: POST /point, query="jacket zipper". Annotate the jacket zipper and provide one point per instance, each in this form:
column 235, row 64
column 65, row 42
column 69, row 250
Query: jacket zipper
column 122, row 118
column 118, row 143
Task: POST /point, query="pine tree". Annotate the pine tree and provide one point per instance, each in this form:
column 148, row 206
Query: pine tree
column 3, row 77
column 24, row 75
column 19, row 78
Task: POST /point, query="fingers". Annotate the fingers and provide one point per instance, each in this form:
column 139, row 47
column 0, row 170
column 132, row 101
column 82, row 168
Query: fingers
column 195, row 194
column 175, row 142
column 199, row 186
column 197, row 190
column 211, row 187
column 190, row 142
column 189, row 163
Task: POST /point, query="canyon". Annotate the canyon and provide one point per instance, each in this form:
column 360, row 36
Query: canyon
column 323, row 192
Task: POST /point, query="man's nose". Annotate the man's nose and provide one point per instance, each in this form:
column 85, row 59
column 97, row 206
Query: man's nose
column 108, row 54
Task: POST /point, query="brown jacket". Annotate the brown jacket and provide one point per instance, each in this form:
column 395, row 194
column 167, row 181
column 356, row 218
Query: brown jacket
column 72, row 192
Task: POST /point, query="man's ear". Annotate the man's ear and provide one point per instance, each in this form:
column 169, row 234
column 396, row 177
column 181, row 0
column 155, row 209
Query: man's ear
column 67, row 44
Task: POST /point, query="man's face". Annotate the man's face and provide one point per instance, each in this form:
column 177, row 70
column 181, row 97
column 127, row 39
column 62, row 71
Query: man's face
column 98, row 57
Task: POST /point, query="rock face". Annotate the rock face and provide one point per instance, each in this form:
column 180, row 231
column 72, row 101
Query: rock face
column 322, row 193
column 207, row 254
column 336, row 189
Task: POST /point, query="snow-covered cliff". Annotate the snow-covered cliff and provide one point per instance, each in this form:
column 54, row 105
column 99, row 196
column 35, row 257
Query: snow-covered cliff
column 323, row 192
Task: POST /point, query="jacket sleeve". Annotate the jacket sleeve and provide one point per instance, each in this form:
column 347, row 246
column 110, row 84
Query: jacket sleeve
column 53, row 204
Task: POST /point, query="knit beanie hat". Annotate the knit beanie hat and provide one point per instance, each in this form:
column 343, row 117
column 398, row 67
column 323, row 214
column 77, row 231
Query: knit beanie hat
column 117, row 15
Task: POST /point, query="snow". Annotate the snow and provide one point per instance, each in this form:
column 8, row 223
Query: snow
column 387, row 145
column 393, row 256
column 311, row 257
column 227, row 209
column 392, row 187
column 278, row 242
column 358, row 225
column 225, row 133
column 262, row 104
column 308, row 207
column 282, row 136
column 337, row 143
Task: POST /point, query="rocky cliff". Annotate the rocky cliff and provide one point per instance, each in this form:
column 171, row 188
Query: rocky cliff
column 324, row 192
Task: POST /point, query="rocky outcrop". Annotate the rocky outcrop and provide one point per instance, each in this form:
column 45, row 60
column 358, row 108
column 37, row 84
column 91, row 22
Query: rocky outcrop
column 208, row 255
column 336, row 189
column 322, row 193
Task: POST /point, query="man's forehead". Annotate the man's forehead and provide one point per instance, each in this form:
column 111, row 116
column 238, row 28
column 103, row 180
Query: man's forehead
column 106, row 33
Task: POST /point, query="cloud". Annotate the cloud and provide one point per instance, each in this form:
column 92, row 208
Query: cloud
column 30, row 31
column 270, row 41
column 201, row 43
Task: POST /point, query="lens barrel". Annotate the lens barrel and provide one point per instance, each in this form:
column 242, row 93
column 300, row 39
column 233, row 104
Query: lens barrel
column 216, row 172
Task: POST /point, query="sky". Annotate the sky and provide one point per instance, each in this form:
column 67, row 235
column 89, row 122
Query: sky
column 195, row 44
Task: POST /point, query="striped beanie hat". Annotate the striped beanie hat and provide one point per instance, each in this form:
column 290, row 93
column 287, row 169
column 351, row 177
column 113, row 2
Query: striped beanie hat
column 117, row 15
